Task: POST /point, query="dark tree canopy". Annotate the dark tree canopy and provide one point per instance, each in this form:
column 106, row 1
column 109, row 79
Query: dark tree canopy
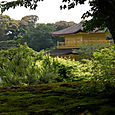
column 12, row 30
column 8, row 28
column 102, row 11
column 39, row 37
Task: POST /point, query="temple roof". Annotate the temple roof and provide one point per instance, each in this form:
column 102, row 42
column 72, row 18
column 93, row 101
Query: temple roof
column 75, row 29
column 70, row 30
column 62, row 51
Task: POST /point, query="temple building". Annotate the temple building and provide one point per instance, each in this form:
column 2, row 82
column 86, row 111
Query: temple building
column 74, row 37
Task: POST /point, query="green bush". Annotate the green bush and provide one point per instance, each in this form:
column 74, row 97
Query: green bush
column 86, row 50
column 47, row 70
column 4, row 45
column 100, row 70
column 65, row 69
column 101, row 66
column 21, row 66
column 55, row 69
column 104, row 62
column 18, row 66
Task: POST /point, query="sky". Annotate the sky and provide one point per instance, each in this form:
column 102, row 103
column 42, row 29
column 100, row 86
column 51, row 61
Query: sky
column 49, row 11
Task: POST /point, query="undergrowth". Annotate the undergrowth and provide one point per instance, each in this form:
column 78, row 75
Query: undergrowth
column 22, row 66
column 55, row 99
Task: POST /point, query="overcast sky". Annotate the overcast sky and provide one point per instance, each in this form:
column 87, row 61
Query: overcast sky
column 49, row 11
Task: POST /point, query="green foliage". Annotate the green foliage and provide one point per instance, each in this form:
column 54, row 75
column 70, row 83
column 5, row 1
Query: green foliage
column 28, row 4
column 30, row 19
column 39, row 37
column 11, row 30
column 4, row 45
column 101, row 69
column 55, row 69
column 8, row 28
column 47, row 70
column 62, row 25
column 105, row 61
column 64, row 68
column 22, row 66
column 86, row 50
column 102, row 64
column 18, row 66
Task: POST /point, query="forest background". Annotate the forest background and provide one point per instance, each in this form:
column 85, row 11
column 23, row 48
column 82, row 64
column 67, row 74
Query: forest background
column 37, row 35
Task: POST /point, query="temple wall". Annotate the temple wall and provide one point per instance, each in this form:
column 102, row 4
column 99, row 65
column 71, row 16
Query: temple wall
column 94, row 38
column 75, row 40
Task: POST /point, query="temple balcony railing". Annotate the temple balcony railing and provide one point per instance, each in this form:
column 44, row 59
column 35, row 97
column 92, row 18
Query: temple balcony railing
column 71, row 44
column 63, row 45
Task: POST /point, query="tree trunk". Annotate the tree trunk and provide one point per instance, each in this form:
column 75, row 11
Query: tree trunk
column 112, row 31
column 110, row 23
column 107, row 9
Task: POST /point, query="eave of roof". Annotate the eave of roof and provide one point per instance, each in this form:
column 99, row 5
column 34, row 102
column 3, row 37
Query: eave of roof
column 75, row 29
column 61, row 52
column 70, row 30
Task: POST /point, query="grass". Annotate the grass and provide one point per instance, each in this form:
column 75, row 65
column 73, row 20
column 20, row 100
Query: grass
column 55, row 99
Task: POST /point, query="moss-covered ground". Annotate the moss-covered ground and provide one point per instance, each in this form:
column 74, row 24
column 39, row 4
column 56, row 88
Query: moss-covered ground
column 55, row 99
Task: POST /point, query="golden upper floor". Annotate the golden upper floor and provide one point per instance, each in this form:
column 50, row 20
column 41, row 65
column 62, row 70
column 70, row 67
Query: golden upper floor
column 74, row 37
column 75, row 40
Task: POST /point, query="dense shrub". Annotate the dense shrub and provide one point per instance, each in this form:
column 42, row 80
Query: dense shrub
column 101, row 66
column 18, row 66
column 4, row 45
column 100, row 70
column 23, row 66
column 86, row 50
column 104, row 62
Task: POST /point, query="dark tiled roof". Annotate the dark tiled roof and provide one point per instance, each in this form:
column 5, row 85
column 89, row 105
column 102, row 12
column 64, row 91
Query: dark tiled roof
column 61, row 51
column 75, row 29
column 70, row 30
column 97, row 30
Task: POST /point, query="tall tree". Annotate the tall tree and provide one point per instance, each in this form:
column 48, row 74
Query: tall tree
column 11, row 30
column 27, row 22
column 8, row 28
column 30, row 19
column 39, row 37
column 102, row 11
column 63, row 24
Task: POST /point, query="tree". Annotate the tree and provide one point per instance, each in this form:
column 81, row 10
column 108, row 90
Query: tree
column 63, row 24
column 39, row 37
column 30, row 19
column 8, row 27
column 102, row 11
column 26, row 23
column 11, row 30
